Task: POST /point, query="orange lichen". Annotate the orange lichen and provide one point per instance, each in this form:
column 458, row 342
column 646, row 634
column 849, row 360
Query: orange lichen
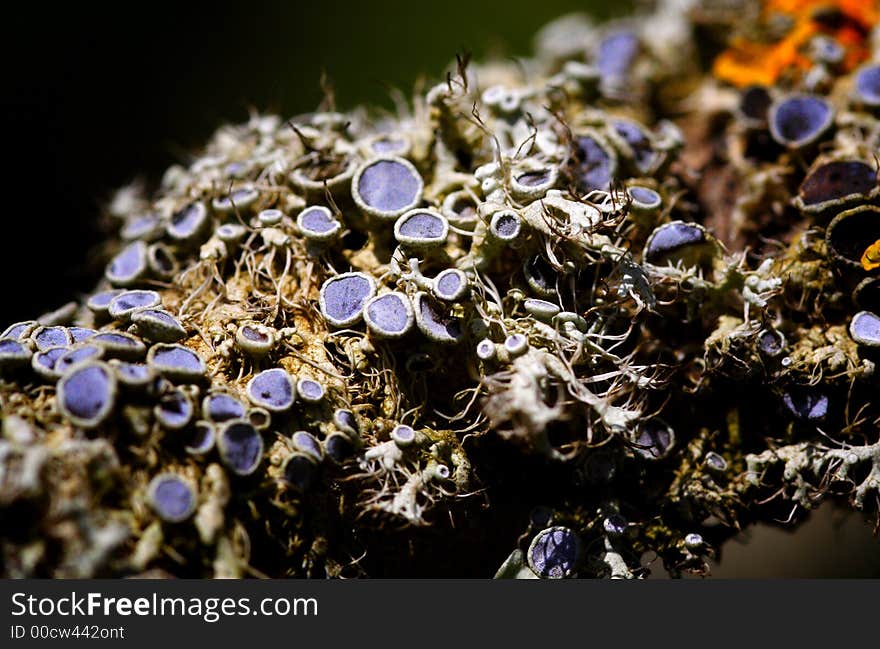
column 871, row 257
column 763, row 60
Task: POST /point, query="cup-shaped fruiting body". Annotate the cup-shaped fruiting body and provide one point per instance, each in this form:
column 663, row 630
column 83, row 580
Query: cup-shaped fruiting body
column 460, row 209
column 644, row 201
column 176, row 363
column 99, row 303
column 540, row 276
column 436, row 471
column 189, row 225
column 754, row 104
column 533, row 181
column 201, row 439
column 81, row 334
column 342, row 298
column 851, row 237
column 404, row 436
column 76, row 355
column 269, row 218
column 715, row 462
column 346, row 421
column 43, row 362
column 694, row 542
column 541, row 309
column 516, row 345
column 46, row 337
column 554, row 553
column 132, row 375
column 683, row 243
column 338, row 447
column 299, row 470
column 129, row 266
column 272, row 389
column 304, row 442
column 635, row 145
column 161, row 261
column 595, row 162
column 614, row 57
column 13, row 354
column 157, row 325
column 505, row 226
column 486, row 350
column 126, row 303
column 771, row 342
column 19, row 330
column 421, row 229
column 798, row 121
column 118, row 344
column 317, row 224
column 146, row 227
column 230, row 233
column 259, row 418
column 174, row 410
column 450, row 285
column 433, row 320
column 389, row 315
column 255, row 339
column 655, row 439
column 219, row 406
column 386, row 187
column 310, row 391
column 866, row 88
column 240, row 446
column 836, row 184
column 238, row 200
column 314, row 177
column 87, row 394
column 865, row 328
column 172, row 497
column 807, row 404
column 387, row 144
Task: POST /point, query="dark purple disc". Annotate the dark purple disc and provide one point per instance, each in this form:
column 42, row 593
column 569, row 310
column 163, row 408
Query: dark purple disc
column 86, row 395
column 272, row 389
column 172, row 497
column 388, row 186
column 222, row 407
column 241, row 447
column 554, row 553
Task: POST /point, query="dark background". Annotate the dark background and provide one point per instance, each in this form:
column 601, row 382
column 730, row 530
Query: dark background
column 93, row 97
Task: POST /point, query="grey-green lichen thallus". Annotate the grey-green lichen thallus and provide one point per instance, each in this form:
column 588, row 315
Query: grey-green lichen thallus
column 602, row 296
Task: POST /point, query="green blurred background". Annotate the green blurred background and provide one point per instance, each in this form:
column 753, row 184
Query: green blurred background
column 94, row 97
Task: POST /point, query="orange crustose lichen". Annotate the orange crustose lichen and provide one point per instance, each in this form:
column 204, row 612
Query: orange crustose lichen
column 871, row 258
column 762, row 60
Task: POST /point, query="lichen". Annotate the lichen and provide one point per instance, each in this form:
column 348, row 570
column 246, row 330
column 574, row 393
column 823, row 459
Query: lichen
column 522, row 296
